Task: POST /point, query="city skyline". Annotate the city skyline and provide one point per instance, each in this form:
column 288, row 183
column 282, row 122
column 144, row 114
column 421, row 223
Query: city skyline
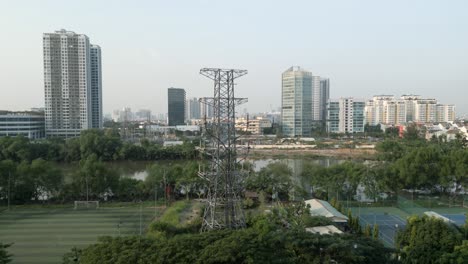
column 364, row 51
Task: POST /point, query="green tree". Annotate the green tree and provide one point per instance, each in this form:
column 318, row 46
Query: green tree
column 5, row 257
column 375, row 232
column 458, row 256
column 95, row 179
column 274, row 179
column 425, row 239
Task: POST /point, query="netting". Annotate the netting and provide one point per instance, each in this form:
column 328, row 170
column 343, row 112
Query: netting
column 86, row 205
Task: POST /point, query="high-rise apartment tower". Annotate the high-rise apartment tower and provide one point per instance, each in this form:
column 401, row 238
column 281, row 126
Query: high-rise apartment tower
column 70, row 77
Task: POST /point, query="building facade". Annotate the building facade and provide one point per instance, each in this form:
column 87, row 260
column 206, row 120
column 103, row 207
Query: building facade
column 176, row 106
column 68, row 83
column 296, row 102
column 425, row 111
column 384, row 109
column 29, row 124
column 346, row 115
column 96, row 87
column 324, row 97
column 445, row 113
column 193, row 109
column 410, row 104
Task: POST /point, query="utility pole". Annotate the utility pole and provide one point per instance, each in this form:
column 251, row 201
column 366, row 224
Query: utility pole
column 9, row 191
column 155, row 198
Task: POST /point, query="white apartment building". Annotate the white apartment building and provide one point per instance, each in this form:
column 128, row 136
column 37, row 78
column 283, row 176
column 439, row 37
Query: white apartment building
column 346, row 115
column 385, row 109
column 410, row 104
column 71, row 77
column 445, row 113
column 425, row 111
column 381, row 109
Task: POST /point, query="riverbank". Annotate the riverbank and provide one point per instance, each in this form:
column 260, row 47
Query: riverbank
column 344, row 153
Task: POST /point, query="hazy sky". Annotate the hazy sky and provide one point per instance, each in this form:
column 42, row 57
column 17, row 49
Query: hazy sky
column 364, row 47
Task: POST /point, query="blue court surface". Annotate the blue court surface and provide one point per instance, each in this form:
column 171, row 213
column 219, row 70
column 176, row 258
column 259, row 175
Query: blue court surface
column 388, row 226
column 458, row 219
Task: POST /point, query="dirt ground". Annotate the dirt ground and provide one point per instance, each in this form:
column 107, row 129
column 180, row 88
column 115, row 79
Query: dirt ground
column 342, row 152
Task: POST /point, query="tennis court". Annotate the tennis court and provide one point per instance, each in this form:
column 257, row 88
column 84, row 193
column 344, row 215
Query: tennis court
column 458, row 219
column 388, row 226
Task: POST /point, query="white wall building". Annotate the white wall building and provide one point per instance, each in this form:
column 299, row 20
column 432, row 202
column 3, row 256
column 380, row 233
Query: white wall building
column 68, row 83
column 346, row 115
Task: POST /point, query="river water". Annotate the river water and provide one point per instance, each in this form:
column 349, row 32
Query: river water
column 139, row 169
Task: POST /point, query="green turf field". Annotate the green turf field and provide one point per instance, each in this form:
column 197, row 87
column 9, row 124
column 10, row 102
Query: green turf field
column 44, row 235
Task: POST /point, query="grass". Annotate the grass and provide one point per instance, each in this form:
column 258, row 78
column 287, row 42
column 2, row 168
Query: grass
column 43, row 235
column 173, row 214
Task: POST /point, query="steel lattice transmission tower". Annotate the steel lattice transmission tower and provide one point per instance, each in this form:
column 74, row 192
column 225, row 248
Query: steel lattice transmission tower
column 225, row 180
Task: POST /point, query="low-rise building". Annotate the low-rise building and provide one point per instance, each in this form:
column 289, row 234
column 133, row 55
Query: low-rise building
column 254, row 126
column 29, row 124
column 323, row 208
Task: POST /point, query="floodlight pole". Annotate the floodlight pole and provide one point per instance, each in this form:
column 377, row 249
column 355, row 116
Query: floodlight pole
column 9, row 191
column 141, row 208
column 87, row 190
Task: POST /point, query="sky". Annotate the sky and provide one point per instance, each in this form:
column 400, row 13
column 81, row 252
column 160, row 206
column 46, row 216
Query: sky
column 365, row 47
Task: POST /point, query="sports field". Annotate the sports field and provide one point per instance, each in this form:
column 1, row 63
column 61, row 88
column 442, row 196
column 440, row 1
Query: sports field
column 392, row 219
column 44, row 235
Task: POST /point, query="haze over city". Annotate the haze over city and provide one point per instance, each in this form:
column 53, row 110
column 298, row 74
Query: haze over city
column 364, row 47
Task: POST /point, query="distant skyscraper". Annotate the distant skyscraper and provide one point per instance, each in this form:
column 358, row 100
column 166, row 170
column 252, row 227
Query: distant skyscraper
column 176, row 106
column 193, row 108
column 96, row 86
column 68, row 84
column 324, row 97
column 296, row 109
column 206, row 111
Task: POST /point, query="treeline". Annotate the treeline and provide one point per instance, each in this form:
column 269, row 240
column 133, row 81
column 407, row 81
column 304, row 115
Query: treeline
column 105, row 144
column 430, row 240
column 434, row 166
column 28, row 170
column 42, row 181
column 277, row 237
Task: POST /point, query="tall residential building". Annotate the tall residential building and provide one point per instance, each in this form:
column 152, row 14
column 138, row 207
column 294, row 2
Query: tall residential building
column 316, row 99
column 324, row 97
column 445, row 113
column 410, row 104
column 96, row 87
column 425, row 110
column 384, row 109
column 206, row 111
column 296, row 103
column 68, row 83
column 346, row 115
column 176, row 106
column 193, row 109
